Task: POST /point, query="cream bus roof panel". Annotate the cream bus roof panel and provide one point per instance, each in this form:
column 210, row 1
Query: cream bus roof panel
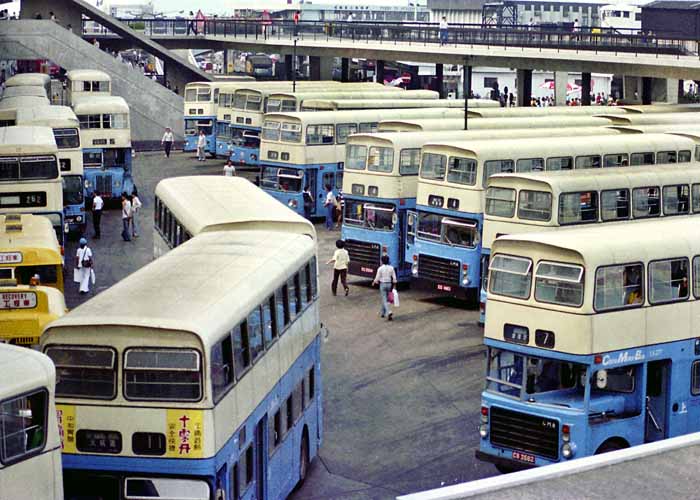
column 24, row 91
column 355, row 116
column 48, row 116
column 22, row 79
column 23, row 102
column 92, row 104
column 478, row 123
column 27, row 140
column 350, row 94
column 37, row 234
column 653, row 118
column 386, row 103
column 30, row 370
column 92, row 75
column 210, row 203
column 202, row 286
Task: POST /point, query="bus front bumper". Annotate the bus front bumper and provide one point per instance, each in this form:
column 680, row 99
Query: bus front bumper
column 444, row 289
column 502, row 461
column 364, row 270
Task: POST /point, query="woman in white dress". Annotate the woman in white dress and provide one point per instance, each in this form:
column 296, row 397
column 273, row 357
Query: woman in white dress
column 83, row 266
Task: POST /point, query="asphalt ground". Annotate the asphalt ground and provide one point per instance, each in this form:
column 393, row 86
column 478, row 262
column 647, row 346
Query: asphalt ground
column 401, row 398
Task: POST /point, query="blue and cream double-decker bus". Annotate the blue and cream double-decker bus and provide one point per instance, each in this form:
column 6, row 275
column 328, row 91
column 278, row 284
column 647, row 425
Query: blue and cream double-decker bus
column 591, row 341
column 105, row 132
column 195, row 387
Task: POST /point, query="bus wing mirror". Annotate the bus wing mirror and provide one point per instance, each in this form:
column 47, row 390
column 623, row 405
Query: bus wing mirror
column 601, row 379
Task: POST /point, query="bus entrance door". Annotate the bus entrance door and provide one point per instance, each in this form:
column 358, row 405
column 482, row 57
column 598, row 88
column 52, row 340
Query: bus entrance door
column 656, row 427
column 410, row 234
column 260, row 458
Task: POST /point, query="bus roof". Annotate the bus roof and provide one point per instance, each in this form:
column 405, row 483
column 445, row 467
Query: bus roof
column 478, row 123
column 343, row 93
column 47, row 116
column 88, row 75
column 362, row 114
column 212, row 203
column 203, row 286
column 637, row 241
column 23, row 102
column 386, row 103
column 87, row 104
column 566, row 181
column 24, row 370
column 27, row 140
column 652, row 118
column 22, row 79
column 24, row 90
column 35, row 238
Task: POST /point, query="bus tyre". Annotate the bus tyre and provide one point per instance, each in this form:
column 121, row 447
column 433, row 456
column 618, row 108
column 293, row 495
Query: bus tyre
column 304, row 458
column 504, row 469
column 609, row 446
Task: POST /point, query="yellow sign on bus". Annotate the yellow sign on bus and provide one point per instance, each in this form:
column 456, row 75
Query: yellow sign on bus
column 66, row 427
column 184, row 434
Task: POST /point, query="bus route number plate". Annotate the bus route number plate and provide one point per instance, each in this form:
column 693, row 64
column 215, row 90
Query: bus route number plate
column 523, row 457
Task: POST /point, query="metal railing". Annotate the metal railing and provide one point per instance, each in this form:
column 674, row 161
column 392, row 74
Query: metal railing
column 419, row 33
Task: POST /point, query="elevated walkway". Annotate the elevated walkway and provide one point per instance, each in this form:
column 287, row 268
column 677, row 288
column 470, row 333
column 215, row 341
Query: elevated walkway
column 153, row 107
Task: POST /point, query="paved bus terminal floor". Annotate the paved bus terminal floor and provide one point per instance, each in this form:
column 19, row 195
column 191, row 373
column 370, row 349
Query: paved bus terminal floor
column 401, row 400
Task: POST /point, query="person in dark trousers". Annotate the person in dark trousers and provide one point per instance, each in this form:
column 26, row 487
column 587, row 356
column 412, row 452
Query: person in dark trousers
column 329, row 204
column 97, row 206
column 297, row 18
column 167, row 141
column 192, row 25
column 340, row 261
column 126, row 217
column 308, row 202
column 386, row 279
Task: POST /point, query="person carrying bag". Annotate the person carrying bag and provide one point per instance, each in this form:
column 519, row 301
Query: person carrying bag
column 386, row 279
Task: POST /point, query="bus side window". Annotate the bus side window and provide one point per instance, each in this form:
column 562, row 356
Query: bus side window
column 281, row 308
column 293, row 296
column 245, row 469
column 298, row 400
column 695, row 378
column 235, row 484
column 241, row 354
column 290, row 411
column 313, row 279
column 221, row 367
column 311, row 383
column 304, row 287
column 696, row 277
column 255, row 334
column 269, row 321
column 24, row 422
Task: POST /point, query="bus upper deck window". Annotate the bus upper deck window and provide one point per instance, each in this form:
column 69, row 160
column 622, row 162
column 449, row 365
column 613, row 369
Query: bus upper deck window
column 619, row 286
column 696, row 198
column 343, row 130
column 592, row 161
column 461, row 171
column 409, row 161
column 535, row 205
column 616, row 160
column 560, row 163
column 676, row 199
column 666, row 157
column 646, row 202
column 356, row 157
column 510, row 276
column 380, row 159
column 615, row 204
column 493, row 167
column 557, row 283
column 162, row 374
column 530, row 165
column 320, row 134
column 577, row 208
column 84, row 372
column 668, row 280
column 642, row 159
column 433, row 166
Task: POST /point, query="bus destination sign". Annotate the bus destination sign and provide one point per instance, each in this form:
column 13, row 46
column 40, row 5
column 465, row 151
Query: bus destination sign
column 17, row 300
column 10, row 257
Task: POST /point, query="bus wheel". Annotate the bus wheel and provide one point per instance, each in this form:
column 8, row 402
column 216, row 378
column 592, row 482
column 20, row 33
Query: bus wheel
column 504, row 469
column 304, row 458
column 611, row 445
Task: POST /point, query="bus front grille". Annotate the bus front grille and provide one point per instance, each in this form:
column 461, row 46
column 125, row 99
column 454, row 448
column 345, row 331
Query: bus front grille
column 438, row 269
column 520, row 431
column 363, row 252
column 103, row 184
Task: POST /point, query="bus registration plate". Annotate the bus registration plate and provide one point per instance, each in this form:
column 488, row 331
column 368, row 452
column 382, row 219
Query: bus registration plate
column 367, row 270
column 523, row 457
column 444, row 288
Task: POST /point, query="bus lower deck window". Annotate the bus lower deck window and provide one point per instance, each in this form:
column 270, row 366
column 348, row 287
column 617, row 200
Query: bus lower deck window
column 23, row 425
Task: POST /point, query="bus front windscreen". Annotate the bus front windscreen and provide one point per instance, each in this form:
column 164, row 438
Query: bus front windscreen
column 72, row 189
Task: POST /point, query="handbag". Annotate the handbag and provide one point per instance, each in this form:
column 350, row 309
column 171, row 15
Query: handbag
column 86, row 262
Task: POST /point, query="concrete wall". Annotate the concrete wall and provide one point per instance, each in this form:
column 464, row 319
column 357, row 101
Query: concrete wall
column 153, row 107
column 65, row 12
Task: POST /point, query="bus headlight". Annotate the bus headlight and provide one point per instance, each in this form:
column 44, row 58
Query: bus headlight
column 293, row 204
column 465, row 281
column 79, row 218
column 484, row 431
column 414, row 269
column 568, row 450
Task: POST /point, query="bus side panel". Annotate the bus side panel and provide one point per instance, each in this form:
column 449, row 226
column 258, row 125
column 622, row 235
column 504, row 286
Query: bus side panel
column 37, row 478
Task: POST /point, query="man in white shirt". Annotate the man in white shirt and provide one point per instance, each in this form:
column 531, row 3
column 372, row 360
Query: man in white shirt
column 97, row 206
column 126, row 217
column 229, row 169
column 386, row 278
column 135, row 209
column 167, row 141
column 443, row 30
column 330, row 207
column 340, row 261
column 201, row 146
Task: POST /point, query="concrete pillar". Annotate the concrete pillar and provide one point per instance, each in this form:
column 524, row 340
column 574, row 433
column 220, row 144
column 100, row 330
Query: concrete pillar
column 632, row 89
column 647, row 86
column 586, row 89
column 560, row 80
column 344, row 69
column 225, row 71
column 379, row 71
column 439, row 80
column 524, row 77
column 320, row 68
column 289, row 66
column 674, row 89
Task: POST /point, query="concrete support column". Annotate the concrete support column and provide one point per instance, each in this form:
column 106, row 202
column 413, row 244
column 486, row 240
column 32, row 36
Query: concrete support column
column 524, row 77
column 289, row 66
column 439, row 80
column 586, row 89
column 225, row 71
column 320, row 68
column 647, row 86
column 344, row 69
column 674, row 89
column 632, row 89
column 379, row 71
column 560, row 80
column 466, row 92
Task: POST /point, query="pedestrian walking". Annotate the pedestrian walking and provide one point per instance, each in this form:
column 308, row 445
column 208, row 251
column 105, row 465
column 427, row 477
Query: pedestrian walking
column 297, row 18
column 308, row 200
column 229, row 169
column 329, row 204
column 192, row 24
column 126, row 216
column 97, row 206
column 386, row 279
column 444, row 27
column 201, row 146
column 340, row 261
column 83, row 267
column 167, row 141
column 135, row 211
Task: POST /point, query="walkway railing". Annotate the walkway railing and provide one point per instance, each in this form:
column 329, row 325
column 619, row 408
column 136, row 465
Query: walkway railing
column 417, row 33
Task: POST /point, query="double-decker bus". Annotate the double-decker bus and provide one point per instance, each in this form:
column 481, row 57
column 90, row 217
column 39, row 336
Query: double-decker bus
column 66, row 132
column 190, row 205
column 197, row 388
column 248, row 105
column 30, row 447
column 25, row 91
column 81, row 83
column 106, row 139
column 308, row 148
column 548, row 200
column 380, row 184
column 30, row 249
column 453, row 179
column 31, row 181
column 30, row 80
column 591, row 344
column 287, row 102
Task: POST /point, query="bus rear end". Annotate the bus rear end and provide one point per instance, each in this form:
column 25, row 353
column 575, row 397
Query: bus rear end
column 25, row 310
